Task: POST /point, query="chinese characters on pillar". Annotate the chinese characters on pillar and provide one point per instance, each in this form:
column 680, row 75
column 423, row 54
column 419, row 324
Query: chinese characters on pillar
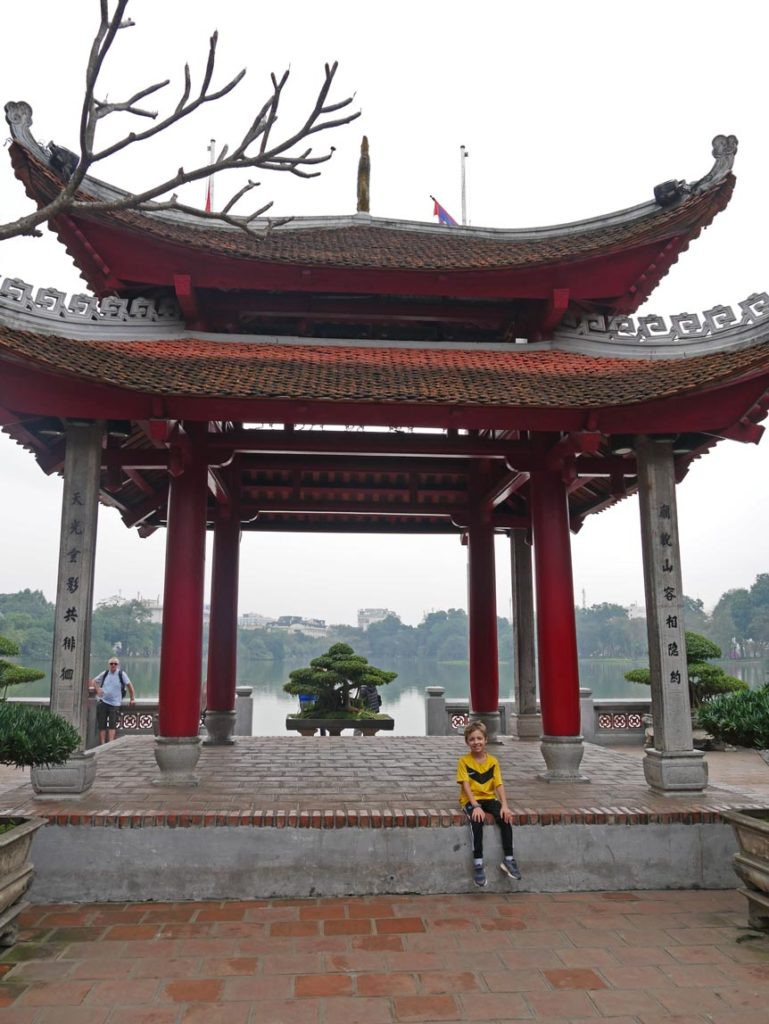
column 668, row 591
column 70, row 615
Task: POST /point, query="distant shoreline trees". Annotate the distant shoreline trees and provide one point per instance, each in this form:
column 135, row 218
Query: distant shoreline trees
column 739, row 624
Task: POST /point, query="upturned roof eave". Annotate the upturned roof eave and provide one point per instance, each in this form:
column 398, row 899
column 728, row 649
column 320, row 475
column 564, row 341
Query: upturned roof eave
column 20, row 120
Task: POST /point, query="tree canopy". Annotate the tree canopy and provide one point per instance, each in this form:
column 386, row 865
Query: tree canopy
column 331, row 678
column 705, row 680
column 10, row 673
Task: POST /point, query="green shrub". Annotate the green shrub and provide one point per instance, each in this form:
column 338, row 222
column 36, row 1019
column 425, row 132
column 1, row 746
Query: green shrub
column 705, row 680
column 10, row 674
column 32, row 736
column 330, row 680
column 738, row 718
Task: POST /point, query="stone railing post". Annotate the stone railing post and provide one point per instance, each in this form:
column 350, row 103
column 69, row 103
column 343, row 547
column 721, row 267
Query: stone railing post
column 91, row 731
column 244, row 711
column 436, row 720
column 587, row 713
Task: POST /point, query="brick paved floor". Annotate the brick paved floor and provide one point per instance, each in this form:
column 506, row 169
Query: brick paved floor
column 624, row 957
column 353, row 773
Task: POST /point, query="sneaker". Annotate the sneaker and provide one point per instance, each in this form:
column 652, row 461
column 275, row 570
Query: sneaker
column 479, row 875
column 510, row 867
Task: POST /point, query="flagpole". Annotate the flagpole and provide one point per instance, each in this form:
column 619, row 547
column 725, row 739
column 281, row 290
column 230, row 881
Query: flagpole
column 463, row 157
column 210, row 182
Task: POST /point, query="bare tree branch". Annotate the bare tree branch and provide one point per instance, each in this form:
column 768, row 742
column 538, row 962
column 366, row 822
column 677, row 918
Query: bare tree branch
column 270, row 155
column 246, row 224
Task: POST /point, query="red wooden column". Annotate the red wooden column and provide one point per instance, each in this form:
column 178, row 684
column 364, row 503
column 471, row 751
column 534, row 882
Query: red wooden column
column 221, row 680
column 556, row 628
column 177, row 747
column 482, row 615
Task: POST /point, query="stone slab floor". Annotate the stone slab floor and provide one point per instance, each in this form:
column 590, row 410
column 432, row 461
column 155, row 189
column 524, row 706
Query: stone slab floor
column 621, row 957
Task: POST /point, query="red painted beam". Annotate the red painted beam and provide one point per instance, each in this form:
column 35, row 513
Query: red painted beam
column 505, row 487
column 574, row 443
column 557, row 306
column 29, row 392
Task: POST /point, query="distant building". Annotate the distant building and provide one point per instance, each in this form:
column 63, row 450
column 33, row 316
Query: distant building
column 368, row 615
column 636, row 611
column 298, row 624
column 154, row 607
column 253, row 620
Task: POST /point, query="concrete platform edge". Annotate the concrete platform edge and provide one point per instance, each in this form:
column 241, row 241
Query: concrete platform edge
column 76, row 864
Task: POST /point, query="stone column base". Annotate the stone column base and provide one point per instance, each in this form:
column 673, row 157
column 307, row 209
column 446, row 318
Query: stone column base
column 177, row 757
column 72, row 778
column 491, row 719
column 526, row 727
column 680, row 771
column 563, row 755
column 220, row 726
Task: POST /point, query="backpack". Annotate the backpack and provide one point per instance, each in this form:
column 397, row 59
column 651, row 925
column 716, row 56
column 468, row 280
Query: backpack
column 120, row 676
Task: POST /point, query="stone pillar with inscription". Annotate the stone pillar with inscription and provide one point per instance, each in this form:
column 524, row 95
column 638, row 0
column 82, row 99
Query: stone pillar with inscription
column 527, row 722
column 672, row 765
column 74, row 601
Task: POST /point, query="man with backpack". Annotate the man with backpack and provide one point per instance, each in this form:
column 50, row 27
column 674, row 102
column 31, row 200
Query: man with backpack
column 111, row 687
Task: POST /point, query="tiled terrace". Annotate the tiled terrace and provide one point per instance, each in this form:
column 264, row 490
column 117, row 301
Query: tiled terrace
column 328, row 782
column 620, row 957
column 553, row 958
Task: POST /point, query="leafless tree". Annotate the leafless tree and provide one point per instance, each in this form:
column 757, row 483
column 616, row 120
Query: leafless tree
column 258, row 148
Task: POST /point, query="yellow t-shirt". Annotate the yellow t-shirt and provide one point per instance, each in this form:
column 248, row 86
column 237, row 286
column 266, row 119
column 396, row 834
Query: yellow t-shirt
column 484, row 777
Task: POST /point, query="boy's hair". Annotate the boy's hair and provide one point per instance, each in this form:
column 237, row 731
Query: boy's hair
column 475, row 727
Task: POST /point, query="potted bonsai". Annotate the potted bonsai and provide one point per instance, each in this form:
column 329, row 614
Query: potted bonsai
column 705, row 680
column 334, row 686
column 29, row 737
column 743, row 719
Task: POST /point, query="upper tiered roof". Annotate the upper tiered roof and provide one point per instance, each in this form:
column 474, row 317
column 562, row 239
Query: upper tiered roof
column 365, row 277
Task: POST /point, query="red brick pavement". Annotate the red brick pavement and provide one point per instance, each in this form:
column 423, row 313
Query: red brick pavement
column 630, row 958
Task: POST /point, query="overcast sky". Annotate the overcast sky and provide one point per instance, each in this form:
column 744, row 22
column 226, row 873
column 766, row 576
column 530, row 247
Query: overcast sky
column 568, row 110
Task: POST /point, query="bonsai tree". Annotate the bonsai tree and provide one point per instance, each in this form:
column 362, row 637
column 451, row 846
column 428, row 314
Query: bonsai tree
column 29, row 736
column 334, row 680
column 739, row 718
column 705, row 680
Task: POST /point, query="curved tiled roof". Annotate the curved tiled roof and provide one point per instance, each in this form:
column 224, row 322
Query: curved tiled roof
column 365, row 242
column 470, row 376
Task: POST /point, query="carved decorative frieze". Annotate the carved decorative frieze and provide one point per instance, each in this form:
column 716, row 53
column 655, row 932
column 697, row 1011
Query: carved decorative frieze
column 51, row 311
column 50, row 303
column 715, row 322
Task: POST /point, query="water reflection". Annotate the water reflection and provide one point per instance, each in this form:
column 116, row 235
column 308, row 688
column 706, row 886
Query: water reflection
column 403, row 698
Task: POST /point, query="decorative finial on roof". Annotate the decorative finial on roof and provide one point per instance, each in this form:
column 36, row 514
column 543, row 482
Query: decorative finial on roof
column 364, row 177
column 18, row 113
column 724, row 152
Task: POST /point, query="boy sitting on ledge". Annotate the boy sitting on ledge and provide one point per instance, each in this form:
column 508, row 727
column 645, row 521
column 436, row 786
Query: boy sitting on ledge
column 481, row 792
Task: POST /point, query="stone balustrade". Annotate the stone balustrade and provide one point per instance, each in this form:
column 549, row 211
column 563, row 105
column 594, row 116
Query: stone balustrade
column 607, row 721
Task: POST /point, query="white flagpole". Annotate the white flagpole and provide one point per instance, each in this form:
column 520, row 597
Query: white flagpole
column 210, row 182
column 463, row 157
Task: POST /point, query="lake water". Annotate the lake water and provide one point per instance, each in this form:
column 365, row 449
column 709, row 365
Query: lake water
column 404, row 697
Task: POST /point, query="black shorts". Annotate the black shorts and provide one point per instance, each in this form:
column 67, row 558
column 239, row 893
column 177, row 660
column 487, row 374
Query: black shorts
column 107, row 715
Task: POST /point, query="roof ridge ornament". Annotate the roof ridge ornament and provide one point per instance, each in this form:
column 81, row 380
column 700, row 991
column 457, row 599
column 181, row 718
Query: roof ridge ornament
column 724, row 151
column 364, row 177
